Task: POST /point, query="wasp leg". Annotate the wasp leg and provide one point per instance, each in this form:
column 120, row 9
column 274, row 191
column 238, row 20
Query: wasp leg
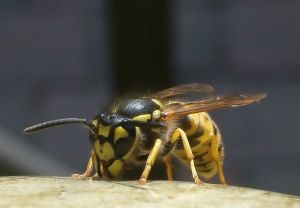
column 169, row 167
column 216, row 157
column 150, row 161
column 89, row 168
column 179, row 133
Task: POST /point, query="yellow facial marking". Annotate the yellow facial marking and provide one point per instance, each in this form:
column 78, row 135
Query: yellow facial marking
column 97, row 147
column 104, row 130
column 115, row 168
column 137, row 138
column 158, row 103
column 120, row 132
column 105, row 151
column 144, row 117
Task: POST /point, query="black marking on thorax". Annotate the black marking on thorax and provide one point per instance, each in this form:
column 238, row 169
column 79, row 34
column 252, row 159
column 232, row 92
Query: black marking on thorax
column 134, row 107
column 111, row 119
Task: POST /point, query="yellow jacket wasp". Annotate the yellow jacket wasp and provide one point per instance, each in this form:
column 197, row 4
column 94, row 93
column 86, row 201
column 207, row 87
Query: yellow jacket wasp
column 142, row 129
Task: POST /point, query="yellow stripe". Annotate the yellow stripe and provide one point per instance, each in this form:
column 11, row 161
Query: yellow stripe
column 144, row 117
column 200, row 148
column 158, row 103
column 194, row 119
column 207, row 126
column 120, row 132
column 205, row 158
column 97, row 147
column 208, row 175
column 115, row 168
column 105, row 151
column 138, row 135
column 104, row 130
column 108, row 151
column 206, row 123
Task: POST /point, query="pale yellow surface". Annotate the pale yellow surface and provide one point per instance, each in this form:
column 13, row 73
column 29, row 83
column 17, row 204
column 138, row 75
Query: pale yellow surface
column 72, row 192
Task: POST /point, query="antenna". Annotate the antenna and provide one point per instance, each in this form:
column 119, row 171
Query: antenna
column 58, row 122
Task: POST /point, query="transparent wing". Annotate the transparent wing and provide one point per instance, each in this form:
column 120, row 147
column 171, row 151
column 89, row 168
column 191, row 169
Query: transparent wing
column 182, row 89
column 178, row 109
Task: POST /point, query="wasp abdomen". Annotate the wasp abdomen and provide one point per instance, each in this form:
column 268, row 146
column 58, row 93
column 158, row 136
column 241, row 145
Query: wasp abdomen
column 200, row 130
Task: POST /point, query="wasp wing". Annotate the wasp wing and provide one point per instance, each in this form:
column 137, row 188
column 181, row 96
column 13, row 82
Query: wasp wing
column 182, row 89
column 178, row 109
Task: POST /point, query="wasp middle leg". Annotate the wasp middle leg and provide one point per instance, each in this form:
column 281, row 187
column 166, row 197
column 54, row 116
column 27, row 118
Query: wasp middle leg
column 180, row 134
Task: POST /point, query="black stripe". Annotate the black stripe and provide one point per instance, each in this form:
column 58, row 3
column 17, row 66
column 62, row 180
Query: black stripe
column 206, row 118
column 199, row 132
column 199, row 157
column 167, row 148
column 220, row 147
column 179, row 145
column 192, row 140
column 98, row 167
column 202, row 164
column 185, row 123
column 102, row 139
column 142, row 157
column 93, row 138
column 215, row 129
column 204, row 170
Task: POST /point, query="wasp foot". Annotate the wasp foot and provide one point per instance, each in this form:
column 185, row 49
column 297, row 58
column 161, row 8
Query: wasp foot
column 142, row 181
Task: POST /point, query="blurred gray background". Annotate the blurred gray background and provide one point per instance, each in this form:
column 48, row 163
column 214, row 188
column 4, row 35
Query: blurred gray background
column 72, row 58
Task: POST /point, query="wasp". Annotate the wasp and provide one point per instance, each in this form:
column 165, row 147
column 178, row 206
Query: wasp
column 158, row 126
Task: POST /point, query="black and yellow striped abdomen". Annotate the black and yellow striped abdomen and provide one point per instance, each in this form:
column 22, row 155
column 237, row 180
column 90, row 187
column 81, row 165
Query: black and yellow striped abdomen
column 201, row 130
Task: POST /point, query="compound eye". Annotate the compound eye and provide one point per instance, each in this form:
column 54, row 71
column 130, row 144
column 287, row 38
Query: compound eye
column 156, row 115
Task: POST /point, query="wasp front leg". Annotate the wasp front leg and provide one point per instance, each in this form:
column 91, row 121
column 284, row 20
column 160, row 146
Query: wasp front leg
column 180, row 134
column 89, row 169
column 150, row 161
